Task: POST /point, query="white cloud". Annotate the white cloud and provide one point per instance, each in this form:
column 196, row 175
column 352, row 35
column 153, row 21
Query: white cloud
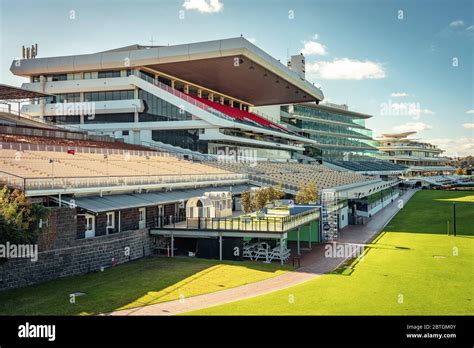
column 204, row 6
column 412, row 127
column 470, row 111
column 468, row 125
column 426, row 112
column 470, row 28
column 313, row 48
column 346, row 69
column 458, row 23
column 399, row 94
column 458, row 147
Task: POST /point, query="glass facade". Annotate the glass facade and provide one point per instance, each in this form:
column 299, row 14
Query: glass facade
column 339, row 135
column 68, row 98
column 157, row 109
column 108, row 95
column 185, row 138
column 110, row 118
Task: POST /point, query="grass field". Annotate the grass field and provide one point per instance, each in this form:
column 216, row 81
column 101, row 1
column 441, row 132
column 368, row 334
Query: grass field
column 412, row 268
column 147, row 281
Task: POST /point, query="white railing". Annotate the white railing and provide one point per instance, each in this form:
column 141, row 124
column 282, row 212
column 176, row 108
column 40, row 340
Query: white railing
column 79, row 149
column 65, row 183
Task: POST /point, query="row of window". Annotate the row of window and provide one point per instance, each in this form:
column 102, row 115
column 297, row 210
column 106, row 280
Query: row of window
column 323, row 114
column 86, row 76
column 108, row 95
column 110, row 222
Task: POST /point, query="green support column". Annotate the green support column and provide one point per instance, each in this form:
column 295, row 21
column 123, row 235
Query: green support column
column 172, row 245
column 298, row 241
column 309, row 237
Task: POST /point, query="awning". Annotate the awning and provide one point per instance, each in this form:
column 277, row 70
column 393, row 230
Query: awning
column 11, row 93
column 138, row 200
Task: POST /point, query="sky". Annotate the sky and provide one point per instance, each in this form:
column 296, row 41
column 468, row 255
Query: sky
column 409, row 64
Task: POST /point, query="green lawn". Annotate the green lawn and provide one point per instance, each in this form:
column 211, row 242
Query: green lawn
column 138, row 283
column 412, row 268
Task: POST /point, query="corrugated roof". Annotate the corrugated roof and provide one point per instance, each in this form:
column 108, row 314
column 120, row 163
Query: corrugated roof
column 137, row 200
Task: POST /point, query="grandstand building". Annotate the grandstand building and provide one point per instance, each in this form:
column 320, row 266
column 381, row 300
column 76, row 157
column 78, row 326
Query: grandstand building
column 195, row 97
column 421, row 158
column 121, row 146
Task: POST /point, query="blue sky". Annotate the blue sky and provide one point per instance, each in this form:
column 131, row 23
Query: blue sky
column 364, row 53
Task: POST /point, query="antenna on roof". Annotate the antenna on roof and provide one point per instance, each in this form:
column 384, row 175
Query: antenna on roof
column 30, row 52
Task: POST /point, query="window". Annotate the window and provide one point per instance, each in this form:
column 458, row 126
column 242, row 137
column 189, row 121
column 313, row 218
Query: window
column 74, row 76
column 69, row 98
column 108, row 95
column 62, row 77
column 108, row 74
column 142, row 218
column 91, row 75
column 110, row 226
column 125, row 132
column 90, row 226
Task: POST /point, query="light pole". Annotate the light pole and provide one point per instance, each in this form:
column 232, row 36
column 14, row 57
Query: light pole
column 51, row 161
column 107, row 163
column 454, row 219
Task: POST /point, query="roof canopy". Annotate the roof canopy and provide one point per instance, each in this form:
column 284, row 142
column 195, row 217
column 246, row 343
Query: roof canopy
column 234, row 67
column 135, row 200
column 11, row 93
column 398, row 135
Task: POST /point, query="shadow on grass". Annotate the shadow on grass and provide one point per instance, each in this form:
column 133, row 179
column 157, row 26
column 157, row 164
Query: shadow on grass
column 350, row 266
column 126, row 284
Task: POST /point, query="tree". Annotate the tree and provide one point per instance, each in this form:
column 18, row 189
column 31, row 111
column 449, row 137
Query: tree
column 20, row 218
column 246, row 202
column 307, row 194
column 260, row 198
column 459, row 171
column 275, row 192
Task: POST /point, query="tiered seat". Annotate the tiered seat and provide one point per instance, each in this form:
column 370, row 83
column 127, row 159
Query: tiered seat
column 31, row 139
column 241, row 114
column 294, row 174
column 35, row 164
column 365, row 166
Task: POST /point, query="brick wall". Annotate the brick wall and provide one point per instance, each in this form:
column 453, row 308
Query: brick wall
column 62, row 254
column 88, row 255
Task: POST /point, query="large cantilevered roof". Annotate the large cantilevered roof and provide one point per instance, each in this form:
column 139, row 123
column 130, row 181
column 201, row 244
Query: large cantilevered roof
column 234, row 67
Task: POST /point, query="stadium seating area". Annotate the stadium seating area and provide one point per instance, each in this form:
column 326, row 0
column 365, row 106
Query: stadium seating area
column 293, row 175
column 29, row 164
column 442, row 180
column 241, row 115
column 52, row 141
column 366, row 166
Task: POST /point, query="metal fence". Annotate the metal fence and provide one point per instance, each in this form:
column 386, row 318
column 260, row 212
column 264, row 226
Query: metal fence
column 239, row 224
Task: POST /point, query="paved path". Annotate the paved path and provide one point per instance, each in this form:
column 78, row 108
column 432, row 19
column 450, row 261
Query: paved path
column 314, row 265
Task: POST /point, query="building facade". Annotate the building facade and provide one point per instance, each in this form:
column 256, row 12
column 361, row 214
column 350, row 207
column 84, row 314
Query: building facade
column 195, row 97
column 421, row 158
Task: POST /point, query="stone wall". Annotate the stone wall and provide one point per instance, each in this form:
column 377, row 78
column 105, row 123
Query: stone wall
column 62, row 254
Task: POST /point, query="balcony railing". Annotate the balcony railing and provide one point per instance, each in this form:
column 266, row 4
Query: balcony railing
column 65, row 183
column 239, row 224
